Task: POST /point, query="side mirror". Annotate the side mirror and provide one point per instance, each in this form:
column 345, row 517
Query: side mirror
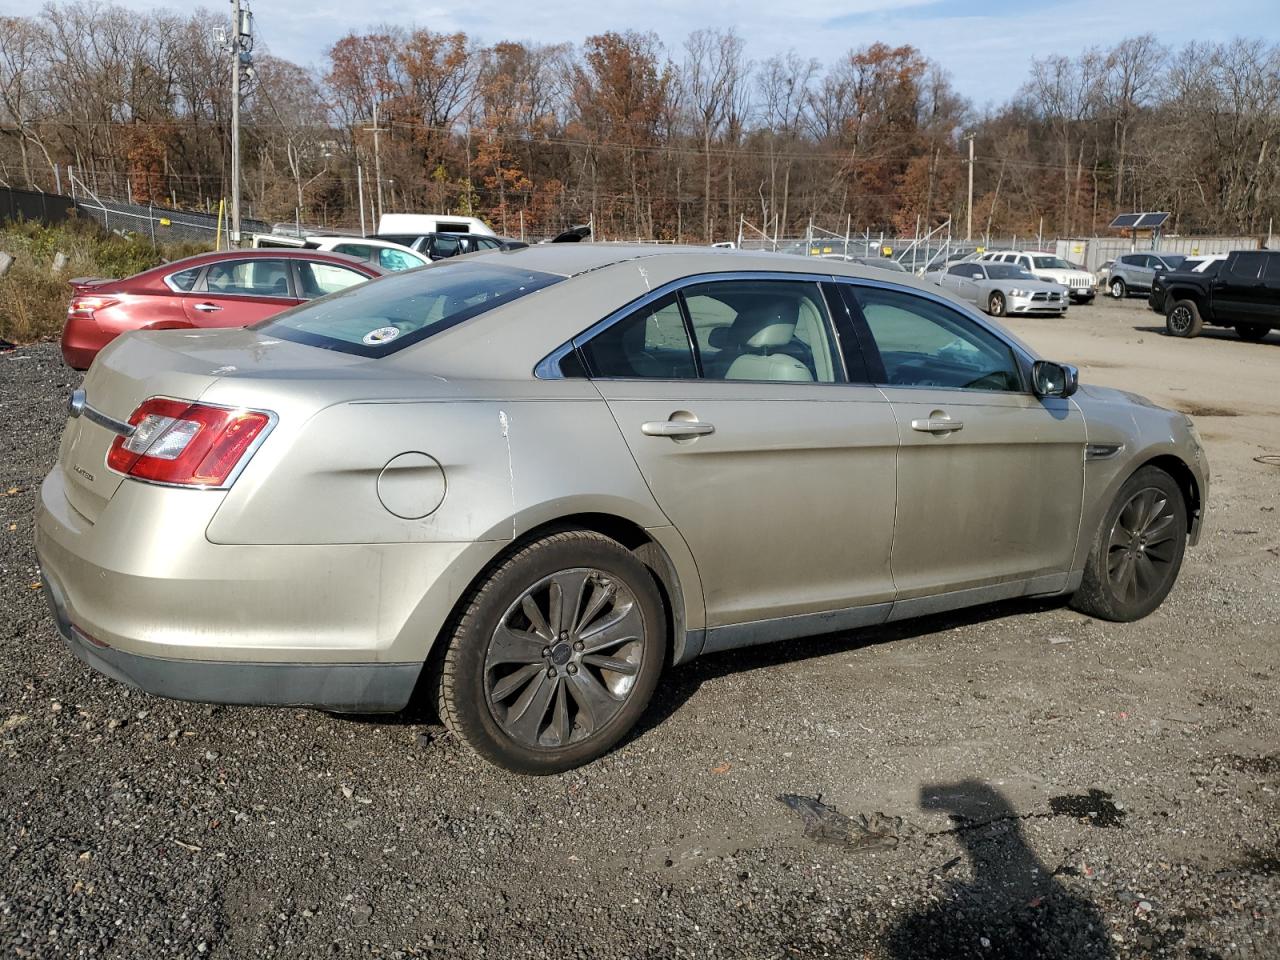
column 1054, row 379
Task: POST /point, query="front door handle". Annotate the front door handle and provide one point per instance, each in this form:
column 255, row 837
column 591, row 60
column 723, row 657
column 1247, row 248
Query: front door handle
column 676, row 429
column 937, row 425
column 207, row 307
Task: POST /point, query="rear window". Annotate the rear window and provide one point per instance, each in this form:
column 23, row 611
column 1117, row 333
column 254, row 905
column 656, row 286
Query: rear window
column 396, row 311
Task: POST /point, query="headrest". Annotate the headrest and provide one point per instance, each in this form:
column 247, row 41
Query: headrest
column 766, row 322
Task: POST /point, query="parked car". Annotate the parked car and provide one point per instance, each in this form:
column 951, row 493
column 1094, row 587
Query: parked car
column 1202, row 264
column 1103, row 274
column 1133, row 272
column 364, row 495
column 880, row 263
column 385, row 254
column 1242, row 292
column 1048, row 266
column 1004, row 288
column 441, row 246
column 229, row 289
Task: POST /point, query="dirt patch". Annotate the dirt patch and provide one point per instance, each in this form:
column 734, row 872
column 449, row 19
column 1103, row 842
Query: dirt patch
column 1095, row 807
column 1196, row 410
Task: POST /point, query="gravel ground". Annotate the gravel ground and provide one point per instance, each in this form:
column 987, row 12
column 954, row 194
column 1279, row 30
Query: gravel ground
column 1009, row 782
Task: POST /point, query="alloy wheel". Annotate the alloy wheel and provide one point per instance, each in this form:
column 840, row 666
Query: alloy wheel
column 1180, row 319
column 1141, row 550
column 564, row 658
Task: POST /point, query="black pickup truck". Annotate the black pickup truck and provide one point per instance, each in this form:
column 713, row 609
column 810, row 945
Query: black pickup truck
column 1242, row 292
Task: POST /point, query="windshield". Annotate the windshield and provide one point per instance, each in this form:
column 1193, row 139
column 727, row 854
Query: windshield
column 375, row 319
column 1173, row 260
column 1008, row 271
column 1051, row 263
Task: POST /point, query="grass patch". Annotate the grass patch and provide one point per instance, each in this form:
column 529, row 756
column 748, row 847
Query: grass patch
column 33, row 299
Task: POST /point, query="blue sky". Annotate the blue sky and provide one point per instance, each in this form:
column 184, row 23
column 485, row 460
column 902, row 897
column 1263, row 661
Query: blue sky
column 986, row 45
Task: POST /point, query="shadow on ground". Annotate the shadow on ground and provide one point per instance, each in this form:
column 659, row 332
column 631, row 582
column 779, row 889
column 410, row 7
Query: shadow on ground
column 1010, row 907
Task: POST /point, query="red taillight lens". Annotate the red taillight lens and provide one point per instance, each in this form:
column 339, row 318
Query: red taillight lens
column 185, row 443
column 82, row 307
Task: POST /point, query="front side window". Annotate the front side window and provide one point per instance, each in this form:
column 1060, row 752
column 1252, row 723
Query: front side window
column 1052, row 263
column 445, row 247
column 925, row 344
column 651, row 343
column 321, row 279
column 762, row 330
column 404, row 308
column 968, row 270
column 1248, row 265
column 249, row 278
column 1009, row 271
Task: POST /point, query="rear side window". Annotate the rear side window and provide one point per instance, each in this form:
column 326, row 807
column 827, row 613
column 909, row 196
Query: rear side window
column 249, row 278
column 1248, row 265
column 184, row 280
column 404, row 308
column 651, row 343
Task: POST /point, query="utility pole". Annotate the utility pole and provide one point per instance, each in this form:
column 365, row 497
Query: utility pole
column 377, row 156
column 968, row 230
column 240, row 47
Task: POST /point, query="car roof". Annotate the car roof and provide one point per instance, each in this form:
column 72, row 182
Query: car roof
column 573, row 259
column 267, row 253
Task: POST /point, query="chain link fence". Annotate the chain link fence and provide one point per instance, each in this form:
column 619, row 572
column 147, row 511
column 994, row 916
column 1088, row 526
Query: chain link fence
column 162, row 225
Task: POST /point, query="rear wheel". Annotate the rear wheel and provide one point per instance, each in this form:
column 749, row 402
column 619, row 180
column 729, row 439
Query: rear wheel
column 556, row 655
column 996, row 304
column 1137, row 551
column 1118, row 289
column 1253, row 332
column 1184, row 319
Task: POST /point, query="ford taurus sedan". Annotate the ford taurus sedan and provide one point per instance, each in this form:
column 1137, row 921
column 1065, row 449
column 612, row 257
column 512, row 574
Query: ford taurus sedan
column 228, row 289
column 527, row 482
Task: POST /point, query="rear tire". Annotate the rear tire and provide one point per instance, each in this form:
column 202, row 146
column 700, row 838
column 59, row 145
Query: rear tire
column 1252, row 332
column 1119, row 290
column 1184, row 320
column 1137, row 550
column 996, row 304
column 555, row 655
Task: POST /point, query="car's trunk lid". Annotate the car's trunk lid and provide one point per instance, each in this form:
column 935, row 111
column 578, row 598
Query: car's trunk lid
column 182, row 364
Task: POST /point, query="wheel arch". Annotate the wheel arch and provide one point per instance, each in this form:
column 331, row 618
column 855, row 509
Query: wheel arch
column 1174, row 294
column 1187, row 482
column 676, row 578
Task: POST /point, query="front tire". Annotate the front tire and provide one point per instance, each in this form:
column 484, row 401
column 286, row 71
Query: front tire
column 1252, row 332
column 996, row 304
column 1184, row 320
column 1118, row 289
column 1137, row 550
column 556, row 654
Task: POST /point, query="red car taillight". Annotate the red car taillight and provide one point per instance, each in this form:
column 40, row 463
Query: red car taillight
column 192, row 444
column 82, row 307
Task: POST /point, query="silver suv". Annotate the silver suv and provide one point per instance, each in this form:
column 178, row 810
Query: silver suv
column 1133, row 272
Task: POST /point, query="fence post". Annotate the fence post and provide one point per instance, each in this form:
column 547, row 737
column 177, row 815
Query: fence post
column 151, row 216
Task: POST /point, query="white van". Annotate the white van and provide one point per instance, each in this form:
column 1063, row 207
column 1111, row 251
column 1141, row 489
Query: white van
column 416, row 224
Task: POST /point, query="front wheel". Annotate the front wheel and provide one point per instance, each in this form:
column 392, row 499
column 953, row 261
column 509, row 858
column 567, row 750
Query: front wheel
column 1118, row 289
column 556, row 655
column 1252, row 332
column 1184, row 320
column 1137, row 551
column 996, row 304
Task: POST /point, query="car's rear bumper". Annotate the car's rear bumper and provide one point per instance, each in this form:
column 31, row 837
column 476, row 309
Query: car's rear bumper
column 81, row 340
column 342, row 687
column 143, row 596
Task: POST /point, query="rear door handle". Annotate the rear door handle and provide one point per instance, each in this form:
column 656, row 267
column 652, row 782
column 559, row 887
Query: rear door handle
column 937, row 425
column 676, row 429
column 207, row 307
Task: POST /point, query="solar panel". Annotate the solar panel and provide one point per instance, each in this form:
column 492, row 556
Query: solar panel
column 1139, row 221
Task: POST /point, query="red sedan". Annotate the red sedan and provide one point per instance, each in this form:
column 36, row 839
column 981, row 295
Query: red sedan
column 229, row 289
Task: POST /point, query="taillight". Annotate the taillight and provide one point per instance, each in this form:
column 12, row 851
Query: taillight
column 82, row 307
column 193, row 444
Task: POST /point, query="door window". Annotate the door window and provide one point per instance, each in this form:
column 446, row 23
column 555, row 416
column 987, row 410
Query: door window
column 762, row 330
column 183, row 280
column 320, row 279
column 249, row 278
column 1247, row 266
column 390, row 259
column 1272, row 273
column 650, row 343
column 925, row 344
column 361, row 251
column 967, row 270
column 445, row 247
